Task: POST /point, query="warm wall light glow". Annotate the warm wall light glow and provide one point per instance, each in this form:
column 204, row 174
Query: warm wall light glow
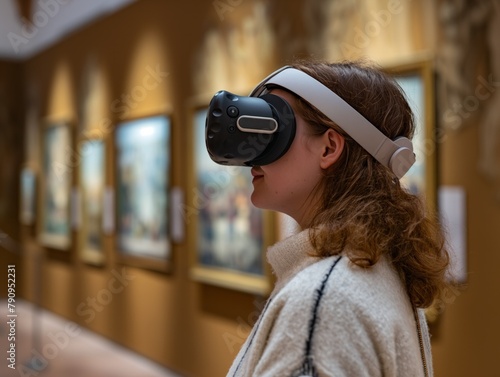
column 147, row 81
column 61, row 104
column 236, row 57
column 94, row 95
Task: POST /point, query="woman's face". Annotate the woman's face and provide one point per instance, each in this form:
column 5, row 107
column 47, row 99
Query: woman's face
column 287, row 184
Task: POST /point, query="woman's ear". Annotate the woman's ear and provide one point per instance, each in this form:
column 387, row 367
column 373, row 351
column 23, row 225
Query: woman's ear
column 333, row 145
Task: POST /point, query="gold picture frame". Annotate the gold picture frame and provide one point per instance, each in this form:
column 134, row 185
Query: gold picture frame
column 227, row 235
column 416, row 78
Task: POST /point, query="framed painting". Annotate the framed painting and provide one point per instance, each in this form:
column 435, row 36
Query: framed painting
column 92, row 181
column 231, row 234
column 55, row 230
column 417, row 81
column 142, row 181
column 27, row 212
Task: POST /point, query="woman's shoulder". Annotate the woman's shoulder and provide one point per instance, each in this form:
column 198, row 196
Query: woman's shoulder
column 353, row 319
column 339, row 269
column 344, row 285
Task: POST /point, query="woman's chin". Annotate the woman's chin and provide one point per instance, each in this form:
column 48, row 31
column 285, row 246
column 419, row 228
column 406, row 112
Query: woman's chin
column 259, row 202
column 255, row 201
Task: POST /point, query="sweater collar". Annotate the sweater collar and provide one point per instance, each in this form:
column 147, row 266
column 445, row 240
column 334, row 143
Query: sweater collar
column 289, row 256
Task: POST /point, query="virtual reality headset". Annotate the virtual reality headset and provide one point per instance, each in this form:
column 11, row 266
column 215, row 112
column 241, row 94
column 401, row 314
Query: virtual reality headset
column 257, row 130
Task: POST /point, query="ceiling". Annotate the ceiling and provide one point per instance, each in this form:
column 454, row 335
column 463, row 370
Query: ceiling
column 52, row 21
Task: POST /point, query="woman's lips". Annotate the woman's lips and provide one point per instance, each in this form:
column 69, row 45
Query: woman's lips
column 256, row 174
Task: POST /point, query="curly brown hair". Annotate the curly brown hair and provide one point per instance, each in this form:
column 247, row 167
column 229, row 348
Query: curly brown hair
column 365, row 212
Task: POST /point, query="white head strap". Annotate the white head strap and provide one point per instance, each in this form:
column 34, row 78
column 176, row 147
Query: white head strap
column 396, row 154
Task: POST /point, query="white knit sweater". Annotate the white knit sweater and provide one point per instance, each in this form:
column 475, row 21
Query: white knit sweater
column 328, row 317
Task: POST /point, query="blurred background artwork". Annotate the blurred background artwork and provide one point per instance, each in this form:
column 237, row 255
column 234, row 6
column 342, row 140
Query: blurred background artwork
column 415, row 178
column 27, row 213
column 230, row 228
column 92, row 176
column 142, row 182
column 58, row 172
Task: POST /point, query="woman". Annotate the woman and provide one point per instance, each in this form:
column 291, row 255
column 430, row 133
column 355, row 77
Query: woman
column 351, row 286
